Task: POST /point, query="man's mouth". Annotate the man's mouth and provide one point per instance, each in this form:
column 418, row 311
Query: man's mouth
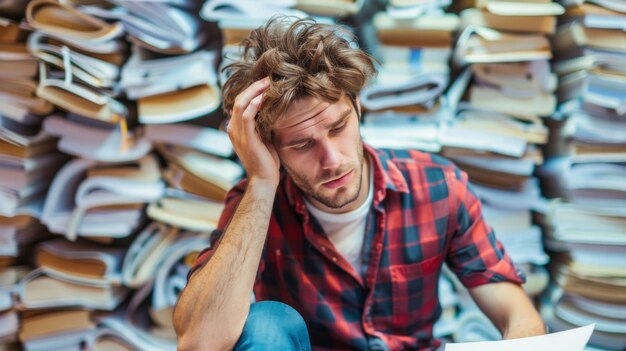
column 338, row 182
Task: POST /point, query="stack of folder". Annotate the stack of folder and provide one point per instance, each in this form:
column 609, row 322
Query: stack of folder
column 586, row 172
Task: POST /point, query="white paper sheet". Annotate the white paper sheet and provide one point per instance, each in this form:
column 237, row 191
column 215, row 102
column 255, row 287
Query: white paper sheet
column 571, row 340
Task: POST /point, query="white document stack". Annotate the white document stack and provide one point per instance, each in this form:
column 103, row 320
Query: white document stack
column 501, row 101
column 404, row 106
column 587, row 172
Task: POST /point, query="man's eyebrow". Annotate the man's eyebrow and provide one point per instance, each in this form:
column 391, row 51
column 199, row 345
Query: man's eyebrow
column 344, row 116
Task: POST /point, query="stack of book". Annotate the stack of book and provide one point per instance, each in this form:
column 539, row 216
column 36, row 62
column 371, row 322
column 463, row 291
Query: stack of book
column 406, row 98
column 587, row 172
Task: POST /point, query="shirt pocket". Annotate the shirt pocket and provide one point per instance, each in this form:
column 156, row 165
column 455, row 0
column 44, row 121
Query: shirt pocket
column 414, row 290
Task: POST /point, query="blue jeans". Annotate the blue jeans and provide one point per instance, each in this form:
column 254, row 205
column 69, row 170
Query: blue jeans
column 272, row 326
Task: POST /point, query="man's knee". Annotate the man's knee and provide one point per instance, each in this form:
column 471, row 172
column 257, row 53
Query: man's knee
column 273, row 324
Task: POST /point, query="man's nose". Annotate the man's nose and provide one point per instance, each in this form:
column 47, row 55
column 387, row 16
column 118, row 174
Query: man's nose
column 331, row 157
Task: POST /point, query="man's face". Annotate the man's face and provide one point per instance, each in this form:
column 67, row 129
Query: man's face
column 320, row 147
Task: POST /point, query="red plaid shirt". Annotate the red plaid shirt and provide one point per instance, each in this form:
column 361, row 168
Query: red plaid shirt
column 424, row 214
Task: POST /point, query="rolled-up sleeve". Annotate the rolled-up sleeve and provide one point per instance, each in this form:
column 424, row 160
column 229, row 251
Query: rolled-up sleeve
column 475, row 255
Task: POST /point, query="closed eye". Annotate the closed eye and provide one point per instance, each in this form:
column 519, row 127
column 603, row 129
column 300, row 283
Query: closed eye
column 338, row 130
column 304, row 146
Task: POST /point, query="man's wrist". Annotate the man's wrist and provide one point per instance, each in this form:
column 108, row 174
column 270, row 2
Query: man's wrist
column 263, row 187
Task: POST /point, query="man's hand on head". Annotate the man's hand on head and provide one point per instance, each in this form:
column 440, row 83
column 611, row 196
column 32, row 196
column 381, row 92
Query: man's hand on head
column 259, row 159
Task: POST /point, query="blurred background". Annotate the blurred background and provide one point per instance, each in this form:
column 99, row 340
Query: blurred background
column 113, row 166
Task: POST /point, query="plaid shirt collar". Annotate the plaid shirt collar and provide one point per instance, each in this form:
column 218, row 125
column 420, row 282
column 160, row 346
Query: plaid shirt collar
column 387, row 177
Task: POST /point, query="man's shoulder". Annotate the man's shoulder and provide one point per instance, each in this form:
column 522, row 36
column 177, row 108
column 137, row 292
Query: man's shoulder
column 415, row 158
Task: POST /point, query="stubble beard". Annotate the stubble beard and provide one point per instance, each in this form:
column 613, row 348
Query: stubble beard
column 337, row 201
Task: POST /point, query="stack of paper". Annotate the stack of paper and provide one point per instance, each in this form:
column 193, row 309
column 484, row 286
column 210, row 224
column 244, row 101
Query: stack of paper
column 18, row 70
column 50, row 318
column 17, row 236
column 85, row 195
column 591, row 67
column 414, row 71
column 84, row 137
column 237, row 18
column 500, row 102
column 588, row 227
column 501, row 99
column 79, row 59
column 28, row 157
column 28, row 161
column 41, row 329
column 9, row 321
column 416, row 8
column 171, row 28
column 171, row 89
column 246, row 11
column 170, row 279
column 330, row 8
column 587, row 172
column 404, row 105
column 145, row 322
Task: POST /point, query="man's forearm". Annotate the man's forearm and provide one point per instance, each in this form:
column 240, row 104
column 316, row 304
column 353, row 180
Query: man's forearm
column 510, row 310
column 215, row 304
column 525, row 323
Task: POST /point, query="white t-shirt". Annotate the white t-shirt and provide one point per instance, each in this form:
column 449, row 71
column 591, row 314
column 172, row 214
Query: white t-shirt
column 347, row 230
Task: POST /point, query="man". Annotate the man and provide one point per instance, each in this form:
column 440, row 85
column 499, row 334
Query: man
column 342, row 243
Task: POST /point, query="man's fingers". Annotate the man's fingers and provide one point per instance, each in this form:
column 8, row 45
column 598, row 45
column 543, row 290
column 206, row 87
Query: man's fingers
column 245, row 97
column 248, row 116
column 253, row 108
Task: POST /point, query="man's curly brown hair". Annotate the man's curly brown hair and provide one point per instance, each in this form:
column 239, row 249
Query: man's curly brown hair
column 303, row 58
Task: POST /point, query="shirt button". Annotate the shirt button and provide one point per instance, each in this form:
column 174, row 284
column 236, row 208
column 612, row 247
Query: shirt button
column 324, row 248
column 334, row 259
